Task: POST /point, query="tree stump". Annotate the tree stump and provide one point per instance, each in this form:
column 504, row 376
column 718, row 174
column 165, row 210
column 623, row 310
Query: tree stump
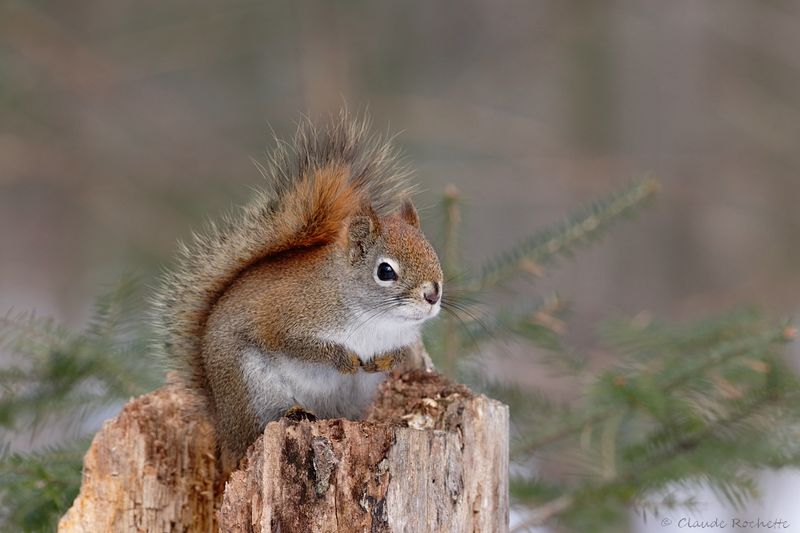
column 429, row 456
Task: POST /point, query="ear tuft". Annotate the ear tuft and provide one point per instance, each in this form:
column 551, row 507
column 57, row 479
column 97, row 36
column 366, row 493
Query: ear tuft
column 409, row 213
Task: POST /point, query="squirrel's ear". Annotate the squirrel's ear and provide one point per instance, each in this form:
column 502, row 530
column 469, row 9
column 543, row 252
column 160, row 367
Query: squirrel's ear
column 409, row 213
column 364, row 227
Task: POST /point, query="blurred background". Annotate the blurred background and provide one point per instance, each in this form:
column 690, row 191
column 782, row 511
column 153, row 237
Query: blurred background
column 124, row 124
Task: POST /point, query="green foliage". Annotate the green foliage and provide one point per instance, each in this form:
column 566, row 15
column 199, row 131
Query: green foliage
column 541, row 322
column 673, row 406
column 38, row 487
column 62, row 381
column 543, row 248
column 660, row 419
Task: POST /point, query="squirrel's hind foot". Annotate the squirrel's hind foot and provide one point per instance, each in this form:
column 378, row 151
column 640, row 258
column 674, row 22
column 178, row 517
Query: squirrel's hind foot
column 298, row 414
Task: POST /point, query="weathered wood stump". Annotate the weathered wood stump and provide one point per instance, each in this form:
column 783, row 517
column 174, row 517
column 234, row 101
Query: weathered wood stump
column 149, row 468
column 429, row 456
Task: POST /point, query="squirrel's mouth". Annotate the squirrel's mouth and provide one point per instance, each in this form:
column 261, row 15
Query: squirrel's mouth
column 419, row 312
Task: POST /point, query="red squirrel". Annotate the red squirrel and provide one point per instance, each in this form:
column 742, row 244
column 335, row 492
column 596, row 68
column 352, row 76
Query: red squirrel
column 299, row 304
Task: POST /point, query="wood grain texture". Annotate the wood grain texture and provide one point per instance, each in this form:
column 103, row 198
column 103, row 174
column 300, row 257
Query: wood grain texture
column 429, row 456
column 152, row 468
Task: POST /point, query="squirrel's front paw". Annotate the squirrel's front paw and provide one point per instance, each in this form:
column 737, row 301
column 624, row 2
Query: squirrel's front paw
column 349, row 363
column 381, row 363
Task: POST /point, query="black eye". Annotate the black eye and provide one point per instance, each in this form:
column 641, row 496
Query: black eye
column 386, row 272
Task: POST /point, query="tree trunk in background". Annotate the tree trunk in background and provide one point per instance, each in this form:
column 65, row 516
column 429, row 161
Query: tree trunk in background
column 430, row 456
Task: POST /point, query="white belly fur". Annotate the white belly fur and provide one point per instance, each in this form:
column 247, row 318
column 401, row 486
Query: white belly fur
column 277, row 382
column 375, row 337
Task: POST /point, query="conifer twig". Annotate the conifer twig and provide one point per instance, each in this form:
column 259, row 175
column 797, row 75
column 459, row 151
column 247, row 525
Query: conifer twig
column 536, row 252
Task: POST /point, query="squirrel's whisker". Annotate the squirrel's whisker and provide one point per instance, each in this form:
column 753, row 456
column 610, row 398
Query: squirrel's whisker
column 466, row 328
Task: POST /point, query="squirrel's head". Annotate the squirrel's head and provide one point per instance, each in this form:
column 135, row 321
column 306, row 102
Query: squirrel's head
column 394, row 265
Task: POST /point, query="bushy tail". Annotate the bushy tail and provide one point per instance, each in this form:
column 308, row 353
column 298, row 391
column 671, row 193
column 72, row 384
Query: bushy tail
column 313, row 186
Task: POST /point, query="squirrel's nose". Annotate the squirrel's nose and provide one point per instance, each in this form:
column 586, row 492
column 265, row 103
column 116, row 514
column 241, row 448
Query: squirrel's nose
column 431, row 293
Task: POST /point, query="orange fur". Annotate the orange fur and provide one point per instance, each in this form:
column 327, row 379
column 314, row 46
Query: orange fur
column 316, row 211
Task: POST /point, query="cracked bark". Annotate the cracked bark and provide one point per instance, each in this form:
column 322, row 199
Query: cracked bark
column 429, row 456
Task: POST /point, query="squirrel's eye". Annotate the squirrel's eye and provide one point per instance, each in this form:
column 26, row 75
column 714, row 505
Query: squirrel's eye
column 386, row 272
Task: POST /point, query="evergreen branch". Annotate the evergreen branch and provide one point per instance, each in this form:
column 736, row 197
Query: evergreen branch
column 62, row 373
column 589, row 223
column 714, row 452
column 632, row 387
column 527, row 407
column 644, row 336
column 36, row 487
column 653, row 472
column 543, row 514
column 452, row 270
column 451, row 259
column 541, row 322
